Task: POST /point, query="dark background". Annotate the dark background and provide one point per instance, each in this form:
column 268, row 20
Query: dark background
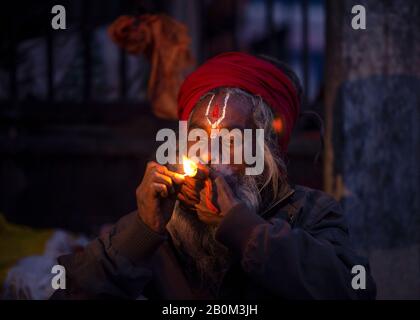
column 76, row 128
column 76, row 125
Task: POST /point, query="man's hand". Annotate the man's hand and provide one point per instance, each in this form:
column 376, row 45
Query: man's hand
column 216, row 200
column 155, row 196
column 209, row 195
column 225, row 198
column 189, row 194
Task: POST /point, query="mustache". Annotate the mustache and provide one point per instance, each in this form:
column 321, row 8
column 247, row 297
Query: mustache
column 245, row 187
column 223, row 169
column 227, row 173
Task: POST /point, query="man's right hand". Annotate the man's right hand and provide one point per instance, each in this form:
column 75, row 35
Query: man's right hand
column 155, row 202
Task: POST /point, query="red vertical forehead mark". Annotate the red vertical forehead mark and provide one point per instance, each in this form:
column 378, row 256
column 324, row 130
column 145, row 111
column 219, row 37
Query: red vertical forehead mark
column 215, row 112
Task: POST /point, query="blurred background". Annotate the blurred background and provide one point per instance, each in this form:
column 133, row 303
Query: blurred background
column 77, row 127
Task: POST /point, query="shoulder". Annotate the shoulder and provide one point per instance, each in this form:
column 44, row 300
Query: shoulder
column 312, row 207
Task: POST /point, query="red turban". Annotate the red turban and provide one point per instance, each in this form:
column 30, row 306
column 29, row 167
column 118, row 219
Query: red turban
column 249, row 73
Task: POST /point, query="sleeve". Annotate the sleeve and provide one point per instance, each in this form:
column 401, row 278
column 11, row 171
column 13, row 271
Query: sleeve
column 314, row 262
column 114, row 265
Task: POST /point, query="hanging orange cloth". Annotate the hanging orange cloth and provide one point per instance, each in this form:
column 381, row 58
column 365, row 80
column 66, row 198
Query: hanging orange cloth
column 165, row 43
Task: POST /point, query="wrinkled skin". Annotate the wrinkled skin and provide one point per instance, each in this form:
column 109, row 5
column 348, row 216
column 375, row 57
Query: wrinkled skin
column 207, row 194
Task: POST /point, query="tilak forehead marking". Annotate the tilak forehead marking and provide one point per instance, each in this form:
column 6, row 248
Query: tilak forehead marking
column 215, row 113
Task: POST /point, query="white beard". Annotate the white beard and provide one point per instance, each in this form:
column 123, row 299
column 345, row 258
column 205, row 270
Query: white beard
column 203, row 256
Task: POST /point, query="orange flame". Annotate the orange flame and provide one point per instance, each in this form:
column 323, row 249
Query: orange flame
column 190, row 167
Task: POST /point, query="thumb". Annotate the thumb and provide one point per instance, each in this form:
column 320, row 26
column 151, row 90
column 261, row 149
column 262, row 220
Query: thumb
column 176, row 177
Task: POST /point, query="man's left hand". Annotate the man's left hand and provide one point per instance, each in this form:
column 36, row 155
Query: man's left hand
column 209, row 195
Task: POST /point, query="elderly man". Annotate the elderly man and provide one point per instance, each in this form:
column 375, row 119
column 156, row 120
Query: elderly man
column 223, row 233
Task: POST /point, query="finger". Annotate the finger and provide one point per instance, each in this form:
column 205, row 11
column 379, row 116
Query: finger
column 194, row 184
column 203, row 171
column 190, row 189
column 202, row 207
column 189, row 193
column 149, row 168
column 160, row 189
column 186, row 201
column 176, row 177
column 188, row 181
column 151, row 164
column 161, row 178
column 161, row 169
column 208, row 197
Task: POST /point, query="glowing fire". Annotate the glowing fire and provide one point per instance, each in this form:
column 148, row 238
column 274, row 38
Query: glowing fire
column 190, row 167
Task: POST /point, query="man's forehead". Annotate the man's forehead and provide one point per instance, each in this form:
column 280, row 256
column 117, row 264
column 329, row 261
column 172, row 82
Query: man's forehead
column 236, row 113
